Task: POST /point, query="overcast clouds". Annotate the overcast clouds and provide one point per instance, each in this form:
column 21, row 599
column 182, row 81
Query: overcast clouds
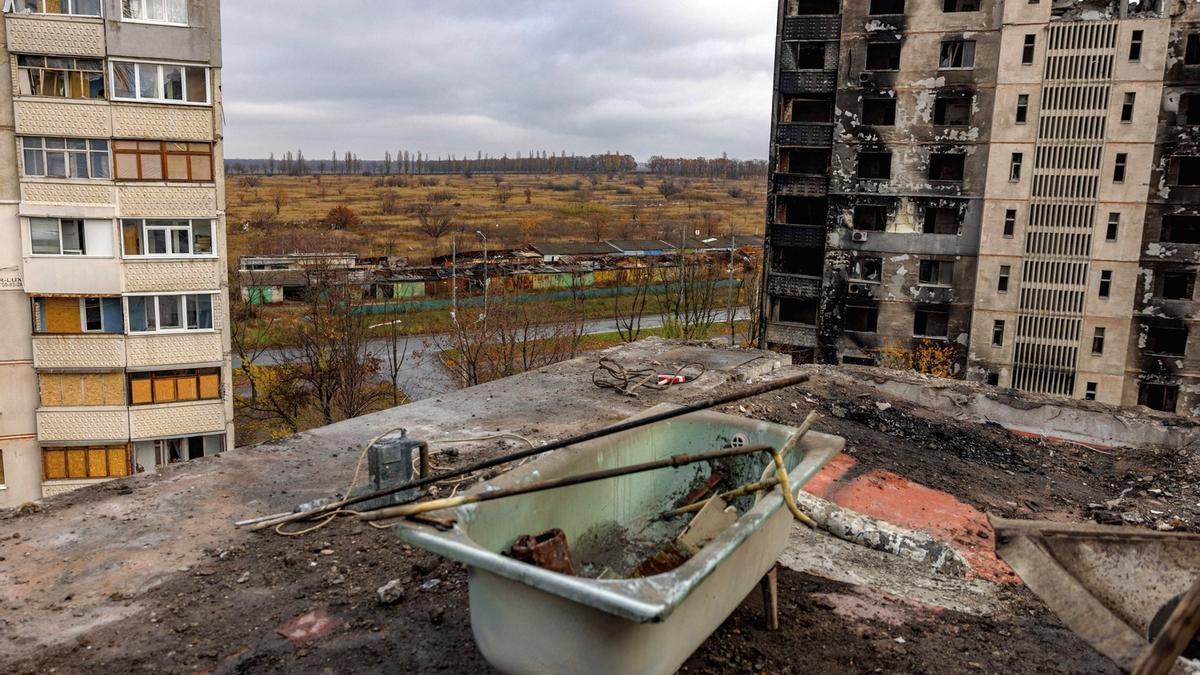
column 670, row 77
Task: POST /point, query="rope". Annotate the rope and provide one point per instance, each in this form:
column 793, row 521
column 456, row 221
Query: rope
column 612, row 375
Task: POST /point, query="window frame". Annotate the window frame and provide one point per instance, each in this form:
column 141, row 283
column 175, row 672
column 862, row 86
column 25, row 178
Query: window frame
column 1136, row 40
column 155, row 22
column 1128, row 104
column 965, row 48
column 160, row 82
column 1099, row 335
column 108, row 449
column 1022, row 113
column 1003, row 279
column 998, row 332
column 1015, row 164
column 1104, row 286
column 42, row 3
column 1029, row 49
column 145, row 225
column 1120, row 168
column 197, row 375
column 163, row 154
column 62, row 252
column 1010, row 224
column 184, row 312
column 943, row 278
column 23, row 72
column 1113, row 228
column 918, row 313
column 89, row 152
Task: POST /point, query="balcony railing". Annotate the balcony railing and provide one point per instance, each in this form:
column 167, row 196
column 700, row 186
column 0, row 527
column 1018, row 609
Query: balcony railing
column 792, row 334
column 801, row 185
column 805, row 134
column 91, row 351
column 793, row 82
column 801, row 236
column 793, row 286
column 814, row 27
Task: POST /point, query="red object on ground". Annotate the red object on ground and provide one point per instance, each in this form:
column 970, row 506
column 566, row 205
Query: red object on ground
column 308, row 627
column 897, row 500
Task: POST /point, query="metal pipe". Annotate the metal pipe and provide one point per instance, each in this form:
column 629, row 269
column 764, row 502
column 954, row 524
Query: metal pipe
column 705, row 404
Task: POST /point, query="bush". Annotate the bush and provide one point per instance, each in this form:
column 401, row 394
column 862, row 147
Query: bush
column 389, row 203
column 342, row 217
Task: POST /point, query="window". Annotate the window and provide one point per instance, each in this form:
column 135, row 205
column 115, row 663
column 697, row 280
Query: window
column 178, row 385
column 1098, row 340
column 993, row 378
column 887, row 7
column 167, row 313
column 931, row 323
column 167, row 238
column 870, row 217
column 57, row 236
column 1161, row 397
column 163, row 161
column 998, row 333
column 866, row 269
column 880, row 112
column 1089, row 393
column 942, row 220
column 1177, row 285
column 73, row 316
column 161, row 82
column 809, row 56
column 1191, row 52
column 109, row 461
column 1189, row 109
column 1135, row 45
column 947, row 166
column 81, row 389
column 1127, row 107
column 1113, row 228
column 60, row 77
column 957, row 54
column 1106, row 278
column 1180, row 230
column 1010, row 223
column 875, row 165
column 1027, row 49
column 155, row 11
column 862, row 318
column 960, row 6
column 937, row 273
column 1003, row 278
column 149, row 455
column 1014, row 167
column 65, row 157
column 797, row 311
column 1184, row 171
column 1022, row 108
column 883, row 56
column 1166, row 340
column 70, row 7
column 952, row 112
column 1119, row 167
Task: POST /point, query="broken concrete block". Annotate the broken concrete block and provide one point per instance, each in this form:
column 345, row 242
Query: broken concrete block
column 390, row 593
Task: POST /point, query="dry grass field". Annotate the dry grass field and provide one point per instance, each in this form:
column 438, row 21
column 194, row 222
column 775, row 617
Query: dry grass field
column 274, row 214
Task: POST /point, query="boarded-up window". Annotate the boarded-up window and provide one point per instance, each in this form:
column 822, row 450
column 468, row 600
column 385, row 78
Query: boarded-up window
column 175, row 385
column 108, row 461
column 81, row 389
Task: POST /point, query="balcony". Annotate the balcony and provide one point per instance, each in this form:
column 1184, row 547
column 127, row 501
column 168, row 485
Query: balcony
column 72, row 275
column 792, row 334
column 145, row 276
column 793, row 286
column 810, row 134
column 796, row 82
column 79, row 352
column 801, row 185
column 194, row 418
column 813, row 27
column 174, row 349
column 54, row 35
column 95, row 424
column 799, row 236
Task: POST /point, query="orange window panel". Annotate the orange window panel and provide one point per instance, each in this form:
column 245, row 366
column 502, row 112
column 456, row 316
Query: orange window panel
column 76, row 463
column 72, row 390
column 140, row 392
column 164, row 390
column 114, row 389
column 210, row 386
column 118, row 461
column 51, row 389
column 62, row 315
column 54, row 463
column 97, row 462
column 187, row 389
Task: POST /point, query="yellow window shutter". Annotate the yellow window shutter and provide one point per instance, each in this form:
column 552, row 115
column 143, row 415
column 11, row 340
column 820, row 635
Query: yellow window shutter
column 76, row 463
column 164, row 390
column 62, row 315
column 210, row 386
column 54, row 463
column 118, row 461
column 139, row 392
column 187, row 388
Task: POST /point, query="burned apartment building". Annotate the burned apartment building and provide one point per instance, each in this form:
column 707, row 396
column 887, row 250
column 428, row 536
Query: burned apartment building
column 986, row 175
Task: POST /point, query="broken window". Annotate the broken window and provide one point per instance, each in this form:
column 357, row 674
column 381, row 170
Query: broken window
column 1176, row 285
column 68, row 7
column 110, row 461
column 1003, row 278
column 947, row 166
column 1191, row 52
column 1189, row 109
column 870, row 217
column 811, row 7
column 1106, row 277
column 1121, row 164
column 879, row 112
column 998, row 333
column 1014, row 167
column 883, row 56
column 794, row 260
column 159, row 82
column 159, row 161
column 65, row 157
column 952, row 112
column 172, row 12
column 1022, row 108
column 1162, row 397
column 811, row 162
column 802, row 210
column 931, row 323
column 60, row 77
column 809, row 110
column 866, row 269
column 1180, row 230
column 797, row 311
column 203, row 384
column 1090, row 390
column 1098, row 340
column 875, row 165
column 1135, row 45
column 960, row 6
column 1114, row 226
column 810, row 56
column 1184, row 171
column 943, row 220
column 887, row 7
column 862, row 318
column 1166, row 340
column 1010, row 223
column 957, row 54
column 58, row 236
column 1127, row 107
column 993, row 378
column 169, row 313
column 167, row 238
column 937, row 273
column 1027, row 50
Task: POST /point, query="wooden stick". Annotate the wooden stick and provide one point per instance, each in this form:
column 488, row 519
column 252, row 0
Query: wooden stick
column 1177, row 633
column 711, row 402
column 749, row 488
column 407, row 510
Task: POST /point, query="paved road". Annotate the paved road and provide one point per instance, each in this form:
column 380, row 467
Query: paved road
column 423, row 375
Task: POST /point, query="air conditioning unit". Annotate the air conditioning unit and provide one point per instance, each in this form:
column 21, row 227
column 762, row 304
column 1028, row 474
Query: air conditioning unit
column 864, row 78
column 858, row 236
column 857, row 289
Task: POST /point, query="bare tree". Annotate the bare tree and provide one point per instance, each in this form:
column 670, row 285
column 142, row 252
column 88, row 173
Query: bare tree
column 394, row 356
column 504, row 192
column 279, row 197
column 434, row 221
column 389, row 203
column 629, row 309
column 689, row 297
column 276, row 393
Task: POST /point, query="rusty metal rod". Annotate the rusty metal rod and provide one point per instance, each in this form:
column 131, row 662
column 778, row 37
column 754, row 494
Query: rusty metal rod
column 705, row 404
column 408, row 510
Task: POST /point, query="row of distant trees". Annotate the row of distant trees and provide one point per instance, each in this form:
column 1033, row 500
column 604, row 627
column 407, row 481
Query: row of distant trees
column 419, row 163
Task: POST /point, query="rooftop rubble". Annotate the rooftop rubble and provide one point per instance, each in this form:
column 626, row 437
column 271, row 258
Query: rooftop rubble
column 148, row 572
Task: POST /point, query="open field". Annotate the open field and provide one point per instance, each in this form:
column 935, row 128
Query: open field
column 537, row 208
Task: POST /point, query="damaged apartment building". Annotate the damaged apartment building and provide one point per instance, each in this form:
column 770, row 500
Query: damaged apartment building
column 114, row 353
column 1017, row 181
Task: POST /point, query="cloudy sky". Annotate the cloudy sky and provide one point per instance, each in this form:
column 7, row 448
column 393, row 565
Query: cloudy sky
column 669, row 77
